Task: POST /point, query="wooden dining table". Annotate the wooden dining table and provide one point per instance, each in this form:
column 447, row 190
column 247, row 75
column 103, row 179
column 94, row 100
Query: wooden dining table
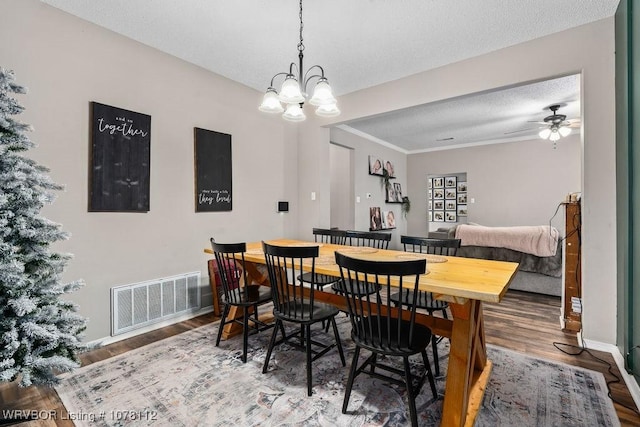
column 465, row 283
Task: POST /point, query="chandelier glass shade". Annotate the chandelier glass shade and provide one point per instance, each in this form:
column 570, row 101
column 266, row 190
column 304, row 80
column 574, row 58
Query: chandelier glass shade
column 293, row 90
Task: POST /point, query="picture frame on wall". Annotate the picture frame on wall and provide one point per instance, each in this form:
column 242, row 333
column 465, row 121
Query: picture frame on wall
column 429, row 194
column 389, row 219
column 438, row 216
column 462, row 210
column 430, row 205
column 462, row 187
column 388, row 166
column 450, row 181
column 430, row 216
column 450, row 194
column 120, row 160
column 398, row 192
column 438, row 193
column 462, row 198
column 375, row 166
column 438, row 205
column 429, row 182
column 438, row 182
column 450, row 216
column 390, row 194
column 375, row 216
column 450, row 205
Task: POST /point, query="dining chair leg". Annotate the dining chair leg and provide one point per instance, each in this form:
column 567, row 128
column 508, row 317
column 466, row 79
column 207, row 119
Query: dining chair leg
column 432, row 382
column 338, row 343
column 436, row 361
column 434, row 346
column 410, row 392
column 352, row 374
column 307, row 329
column 245, row 333
column 271, row 344
column 225, row 311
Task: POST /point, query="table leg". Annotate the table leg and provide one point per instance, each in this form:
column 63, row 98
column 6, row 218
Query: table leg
column 469, row 369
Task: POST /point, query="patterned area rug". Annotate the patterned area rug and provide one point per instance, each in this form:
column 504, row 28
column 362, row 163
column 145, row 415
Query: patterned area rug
column 186, row 381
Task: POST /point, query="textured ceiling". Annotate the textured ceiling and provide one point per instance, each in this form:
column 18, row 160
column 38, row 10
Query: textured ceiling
column 251, row 40
column 500, row 116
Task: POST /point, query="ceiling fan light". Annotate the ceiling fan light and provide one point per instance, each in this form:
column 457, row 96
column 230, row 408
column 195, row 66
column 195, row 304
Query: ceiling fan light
column 290, row 92
column 294, row 113
column 270, row 102
column 544, row 133
column 329, row 110
column 554, row 136
column 322, row 94
column 564, row 131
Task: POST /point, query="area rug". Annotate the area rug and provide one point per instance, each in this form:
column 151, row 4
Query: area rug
column 186, row 381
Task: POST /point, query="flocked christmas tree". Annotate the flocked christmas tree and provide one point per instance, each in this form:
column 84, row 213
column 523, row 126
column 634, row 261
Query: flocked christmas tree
column 39, row 331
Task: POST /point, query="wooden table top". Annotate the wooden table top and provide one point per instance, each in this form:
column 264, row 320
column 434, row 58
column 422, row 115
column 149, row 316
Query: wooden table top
column 455, row 280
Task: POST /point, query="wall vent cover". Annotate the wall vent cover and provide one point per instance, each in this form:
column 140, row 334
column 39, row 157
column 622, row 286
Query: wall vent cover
column 141, row 304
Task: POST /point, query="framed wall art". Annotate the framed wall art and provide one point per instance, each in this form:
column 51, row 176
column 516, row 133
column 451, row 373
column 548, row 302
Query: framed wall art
column 445, row 196
column 375, row 215
column 212, row 171
column 120, row 154
column 375, row 166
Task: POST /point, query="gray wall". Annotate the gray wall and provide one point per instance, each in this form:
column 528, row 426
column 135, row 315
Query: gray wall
column 342, row 187
column 365, row 183
column 517, row 183
column 66, row 63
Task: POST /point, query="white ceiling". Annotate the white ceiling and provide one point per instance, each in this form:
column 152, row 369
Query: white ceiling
column 251, row 40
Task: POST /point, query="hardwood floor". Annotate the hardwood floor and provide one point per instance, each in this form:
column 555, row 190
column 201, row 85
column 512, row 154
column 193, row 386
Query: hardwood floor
column 523, row 322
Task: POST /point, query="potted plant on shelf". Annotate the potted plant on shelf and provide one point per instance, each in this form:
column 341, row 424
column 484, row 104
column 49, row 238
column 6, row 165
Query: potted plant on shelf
column 384, row 179
column 406, row 206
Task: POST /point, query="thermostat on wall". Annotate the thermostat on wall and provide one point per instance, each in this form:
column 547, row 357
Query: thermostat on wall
column 283, row 206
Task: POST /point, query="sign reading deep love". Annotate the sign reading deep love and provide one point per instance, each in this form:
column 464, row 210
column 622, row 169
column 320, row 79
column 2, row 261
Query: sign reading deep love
column 120, row 157
column 213, row 171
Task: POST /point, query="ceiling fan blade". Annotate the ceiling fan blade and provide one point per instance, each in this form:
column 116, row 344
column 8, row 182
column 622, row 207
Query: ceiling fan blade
column 533, row 121
column 521, row 130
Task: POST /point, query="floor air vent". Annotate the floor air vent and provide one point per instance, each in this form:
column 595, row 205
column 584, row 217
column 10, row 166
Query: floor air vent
column 142, row 304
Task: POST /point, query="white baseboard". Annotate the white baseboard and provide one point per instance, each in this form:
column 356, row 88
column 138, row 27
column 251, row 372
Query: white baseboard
column 629, row 379
column 112, row 339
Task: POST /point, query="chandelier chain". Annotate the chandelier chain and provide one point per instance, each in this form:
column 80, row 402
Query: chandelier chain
column 301, row 45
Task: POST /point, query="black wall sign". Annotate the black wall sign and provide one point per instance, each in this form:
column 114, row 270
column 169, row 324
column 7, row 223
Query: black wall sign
column 213, row 171
column 120, row 155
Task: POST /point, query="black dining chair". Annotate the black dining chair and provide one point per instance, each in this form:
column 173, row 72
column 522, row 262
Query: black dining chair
column 365, row 239
column 294, row 303
column 384, row 331
column 424, row 300
column 324, row 235
column 329, row 235
column 370, row 239
column 238, row 291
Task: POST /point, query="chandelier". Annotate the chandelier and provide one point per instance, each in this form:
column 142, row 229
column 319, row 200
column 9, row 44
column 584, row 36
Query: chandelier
column 293, row 91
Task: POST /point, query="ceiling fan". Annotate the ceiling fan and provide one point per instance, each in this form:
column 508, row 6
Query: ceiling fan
column 555, row 126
